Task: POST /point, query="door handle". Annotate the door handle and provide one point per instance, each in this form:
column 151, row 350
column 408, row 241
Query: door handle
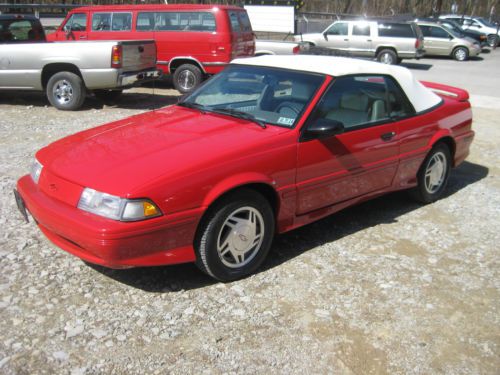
column 368, row 40
column 346, row 40
column 388, row 136
column 83, row 37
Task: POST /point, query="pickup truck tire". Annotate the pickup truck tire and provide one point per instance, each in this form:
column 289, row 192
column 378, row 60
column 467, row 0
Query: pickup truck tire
column 108, row 96
column 387, row 56
column 66, row 91
column 187, row 77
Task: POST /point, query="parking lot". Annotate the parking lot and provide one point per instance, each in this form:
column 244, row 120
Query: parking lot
column 389, row 286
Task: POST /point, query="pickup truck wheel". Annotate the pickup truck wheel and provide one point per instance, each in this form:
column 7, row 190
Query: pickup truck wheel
column 66, row 91
column 460, row 53
column 108, row 96
column 387, row 56
column 234, row 238
column 433, row 175
column 187, row 77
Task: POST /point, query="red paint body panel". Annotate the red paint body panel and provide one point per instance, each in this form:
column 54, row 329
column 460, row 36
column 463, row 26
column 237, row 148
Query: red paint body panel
column 183, row 160
column 211, row 50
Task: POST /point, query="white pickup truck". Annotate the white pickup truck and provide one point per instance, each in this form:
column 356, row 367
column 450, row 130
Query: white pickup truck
column 67, row 71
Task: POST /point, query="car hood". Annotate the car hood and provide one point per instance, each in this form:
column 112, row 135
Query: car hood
column 120, row 157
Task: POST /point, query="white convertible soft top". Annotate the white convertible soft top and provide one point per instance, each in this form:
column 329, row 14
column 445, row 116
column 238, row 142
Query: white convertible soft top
column 420, row 96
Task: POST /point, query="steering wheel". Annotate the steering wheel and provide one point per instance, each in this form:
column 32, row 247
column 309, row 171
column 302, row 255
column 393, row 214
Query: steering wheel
column 286, row 108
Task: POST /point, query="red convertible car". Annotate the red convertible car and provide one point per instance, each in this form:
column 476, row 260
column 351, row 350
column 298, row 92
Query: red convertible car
column 270, row 144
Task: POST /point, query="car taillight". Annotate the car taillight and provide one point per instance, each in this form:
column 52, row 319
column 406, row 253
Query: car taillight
column 417, row 43
column 116, row 57
column 296, row 49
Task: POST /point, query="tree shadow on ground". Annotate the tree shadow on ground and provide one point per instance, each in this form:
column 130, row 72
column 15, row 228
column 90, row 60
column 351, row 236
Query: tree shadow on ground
column 382, row 210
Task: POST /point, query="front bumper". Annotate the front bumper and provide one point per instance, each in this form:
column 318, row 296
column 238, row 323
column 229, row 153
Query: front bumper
column 136, row 78
column 114, row 244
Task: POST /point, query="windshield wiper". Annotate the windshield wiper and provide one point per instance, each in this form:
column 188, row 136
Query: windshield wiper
column 239, row 114
column 191, row 105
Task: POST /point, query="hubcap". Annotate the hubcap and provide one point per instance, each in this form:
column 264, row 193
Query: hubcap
column 63, row 91
column 386, row 58
column 240, row 237
column 435, row 172
column 492, row 40
column 460, row 54
column 186, row 80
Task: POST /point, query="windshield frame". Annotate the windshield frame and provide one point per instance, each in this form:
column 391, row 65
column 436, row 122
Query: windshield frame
column 322, row 78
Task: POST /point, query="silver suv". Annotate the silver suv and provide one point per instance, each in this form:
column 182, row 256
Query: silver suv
column 478, row 24
column 387, row 41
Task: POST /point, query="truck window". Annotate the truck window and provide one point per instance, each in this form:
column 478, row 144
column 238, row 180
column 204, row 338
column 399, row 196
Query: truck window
column 246, row 26
column 77, row 22
column 145, row 21
column 13, row 31
column 395, row 30
column 235, row 24
column 338, row 28
column 121, row 21
column 361, row 30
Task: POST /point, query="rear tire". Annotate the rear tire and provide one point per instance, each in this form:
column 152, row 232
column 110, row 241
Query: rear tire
column 235, row 236
column 433, row 175
column 187, row 77
column 387, row 56
column 66, row 91
column 461, row 54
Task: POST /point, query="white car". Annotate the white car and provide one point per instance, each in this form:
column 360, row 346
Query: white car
column 478, row 24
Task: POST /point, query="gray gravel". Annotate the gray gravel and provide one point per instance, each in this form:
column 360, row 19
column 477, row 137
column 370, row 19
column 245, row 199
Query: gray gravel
column 388, row 286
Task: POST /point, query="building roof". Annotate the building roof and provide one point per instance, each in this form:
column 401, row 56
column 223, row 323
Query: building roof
column 420, row 96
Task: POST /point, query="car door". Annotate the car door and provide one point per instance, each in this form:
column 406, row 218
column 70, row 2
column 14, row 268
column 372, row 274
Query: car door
column 360, row 39
column 437, row 40
column 75, row 28
column 336, row 37
column 361, row 160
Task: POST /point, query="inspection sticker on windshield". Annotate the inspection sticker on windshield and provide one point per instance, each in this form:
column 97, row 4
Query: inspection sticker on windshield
column 285, row 121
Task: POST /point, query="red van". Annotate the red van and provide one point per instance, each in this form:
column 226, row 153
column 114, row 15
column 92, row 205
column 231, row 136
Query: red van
column 192, row 41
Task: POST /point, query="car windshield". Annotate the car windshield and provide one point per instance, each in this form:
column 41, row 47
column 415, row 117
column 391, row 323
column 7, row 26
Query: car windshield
column 485, row 22
column 260, row 94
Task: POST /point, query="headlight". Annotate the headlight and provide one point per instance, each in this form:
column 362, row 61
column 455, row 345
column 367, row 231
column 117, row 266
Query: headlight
column 36, row 170
column 117, row 208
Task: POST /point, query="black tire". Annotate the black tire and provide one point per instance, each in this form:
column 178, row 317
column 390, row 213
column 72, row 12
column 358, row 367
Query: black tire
column 227, row 229
column 66, row 91
column 108, row 96
column 187, row 77
column 387, row 56
column 460, row 54
column 429, row 190
column 492, row 40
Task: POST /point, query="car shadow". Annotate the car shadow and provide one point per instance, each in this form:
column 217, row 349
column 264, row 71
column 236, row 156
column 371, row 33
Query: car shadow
column 382, row 210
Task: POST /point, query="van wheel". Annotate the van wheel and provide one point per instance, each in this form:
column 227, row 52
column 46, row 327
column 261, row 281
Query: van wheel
column 187, row 77
column 460, row 53
column 66, row 91
column 234, row 238
column 387, row 56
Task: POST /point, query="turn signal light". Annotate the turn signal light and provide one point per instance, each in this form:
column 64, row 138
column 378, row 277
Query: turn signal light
column 116, row 56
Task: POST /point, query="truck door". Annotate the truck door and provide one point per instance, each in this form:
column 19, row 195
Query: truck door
column 75, row 28
column 360, row 39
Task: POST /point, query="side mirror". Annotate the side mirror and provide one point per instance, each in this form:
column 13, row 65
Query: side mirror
column 325, row 35
column 324, row 128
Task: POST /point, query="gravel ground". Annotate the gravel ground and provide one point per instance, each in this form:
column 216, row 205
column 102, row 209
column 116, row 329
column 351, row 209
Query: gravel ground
column 388, row 286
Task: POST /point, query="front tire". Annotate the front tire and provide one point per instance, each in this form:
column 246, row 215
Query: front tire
column 387, row 56
column 460, row 53
column 492, row 40
column 433, row 175
column 235, row 237
column 66, row 91
column 187, row 77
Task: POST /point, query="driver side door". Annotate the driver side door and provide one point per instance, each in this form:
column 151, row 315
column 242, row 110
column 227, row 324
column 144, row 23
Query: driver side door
column 336, row 37
column 362, row 159
column 76, row 28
